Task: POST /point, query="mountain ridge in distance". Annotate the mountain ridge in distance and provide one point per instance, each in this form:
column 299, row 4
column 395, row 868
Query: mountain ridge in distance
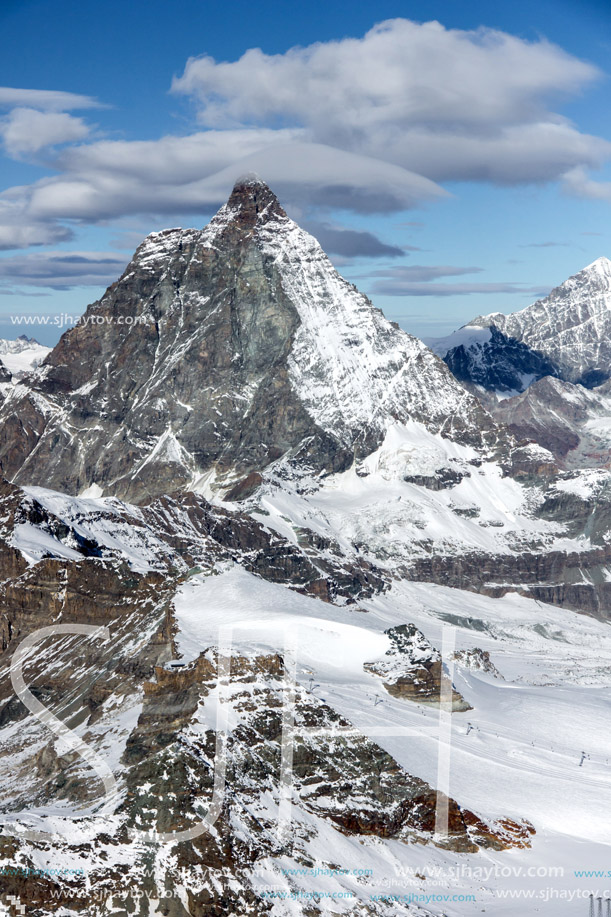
column 566, row 334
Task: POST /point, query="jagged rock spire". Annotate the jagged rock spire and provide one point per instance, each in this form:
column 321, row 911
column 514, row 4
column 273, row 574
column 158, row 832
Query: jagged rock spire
column 253, row 200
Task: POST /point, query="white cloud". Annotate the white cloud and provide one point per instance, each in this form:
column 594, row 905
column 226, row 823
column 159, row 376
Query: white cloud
column 369, row 125
column 171, row 160
column 516, row 154
column 578, row 182
column 20, row 230
column 45, row 99
column 443, row 102
column 353, row 243
column 37, row 118
column 422, row 273
column 452, row 289
column 306, row 174
column 107, row 180
column 418, row 280
column 26, row 130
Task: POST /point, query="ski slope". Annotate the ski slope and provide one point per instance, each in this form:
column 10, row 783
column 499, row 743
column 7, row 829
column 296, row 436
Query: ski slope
column 517, row 753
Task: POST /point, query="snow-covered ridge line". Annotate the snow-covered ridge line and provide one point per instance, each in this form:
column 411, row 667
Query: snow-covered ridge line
column 22, row 355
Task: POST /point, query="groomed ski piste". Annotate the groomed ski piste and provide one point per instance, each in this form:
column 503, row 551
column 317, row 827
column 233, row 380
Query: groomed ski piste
column 519, row 752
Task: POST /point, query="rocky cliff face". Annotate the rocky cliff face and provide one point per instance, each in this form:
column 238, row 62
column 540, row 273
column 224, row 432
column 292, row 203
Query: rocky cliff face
column 488, row 358
column 216, row 354
column 567, row 334
column 571, row 421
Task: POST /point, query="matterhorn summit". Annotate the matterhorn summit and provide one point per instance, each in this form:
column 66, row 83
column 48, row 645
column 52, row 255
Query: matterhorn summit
column 218, row 353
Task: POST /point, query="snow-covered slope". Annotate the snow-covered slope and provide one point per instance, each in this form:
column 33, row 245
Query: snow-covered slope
column 22, row 355
column 352, row 368
column 567, row 334
column 519, row 749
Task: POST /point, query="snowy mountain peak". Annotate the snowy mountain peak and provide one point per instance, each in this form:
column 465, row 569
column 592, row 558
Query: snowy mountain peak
column 219, row 353
column 23, row 342
column 254, row 182
column 22, row 355
column 566, row 334
column 601, row 266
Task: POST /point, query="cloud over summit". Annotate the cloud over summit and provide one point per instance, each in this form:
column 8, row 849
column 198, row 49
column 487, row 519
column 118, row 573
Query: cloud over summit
column 370, row 125
column 447, row 103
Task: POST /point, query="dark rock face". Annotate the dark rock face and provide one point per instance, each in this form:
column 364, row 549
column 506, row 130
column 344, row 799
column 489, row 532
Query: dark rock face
column 5, row 375
column 441, row 480
column 573, row 580
column 549, row 413
column 217, row 353
column 568, row 420
column 501, row 363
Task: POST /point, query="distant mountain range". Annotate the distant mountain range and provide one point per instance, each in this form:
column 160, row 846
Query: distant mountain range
column 567, row 334
column 20, row 356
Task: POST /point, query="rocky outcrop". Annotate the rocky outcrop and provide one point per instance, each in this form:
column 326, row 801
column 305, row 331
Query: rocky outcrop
column 575, row 580
column 549, row 412
column 413, row 670
column 478, row 660
column 183, row 521
column 570, row 421
column 173, row 536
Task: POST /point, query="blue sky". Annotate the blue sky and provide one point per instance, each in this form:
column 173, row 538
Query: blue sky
column 449, row 170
